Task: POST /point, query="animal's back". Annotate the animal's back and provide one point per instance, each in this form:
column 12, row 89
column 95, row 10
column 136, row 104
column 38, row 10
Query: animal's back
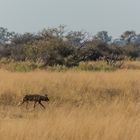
column 33, row 97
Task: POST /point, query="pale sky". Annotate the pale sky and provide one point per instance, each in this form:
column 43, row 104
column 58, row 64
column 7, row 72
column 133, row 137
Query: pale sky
column 114, row 16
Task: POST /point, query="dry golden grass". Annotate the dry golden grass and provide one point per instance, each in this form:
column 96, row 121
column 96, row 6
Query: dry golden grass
column 83, row 105
column 135, row 65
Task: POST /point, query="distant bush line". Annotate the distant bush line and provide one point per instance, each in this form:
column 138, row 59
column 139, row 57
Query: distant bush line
column 58, row 47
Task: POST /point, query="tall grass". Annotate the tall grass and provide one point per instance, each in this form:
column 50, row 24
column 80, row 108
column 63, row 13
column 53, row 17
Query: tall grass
column 83, row 105
column 27, row 66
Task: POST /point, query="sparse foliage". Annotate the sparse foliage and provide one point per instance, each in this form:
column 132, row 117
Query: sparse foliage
column 56, row 46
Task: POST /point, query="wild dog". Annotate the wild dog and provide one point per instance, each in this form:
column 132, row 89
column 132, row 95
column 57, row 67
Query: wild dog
column 36, row 98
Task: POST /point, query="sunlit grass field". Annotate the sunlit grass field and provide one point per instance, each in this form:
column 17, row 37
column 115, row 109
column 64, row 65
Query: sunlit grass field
column 83, row 105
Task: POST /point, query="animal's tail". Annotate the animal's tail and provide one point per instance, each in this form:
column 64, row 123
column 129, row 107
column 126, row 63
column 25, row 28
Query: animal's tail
column 20, row 103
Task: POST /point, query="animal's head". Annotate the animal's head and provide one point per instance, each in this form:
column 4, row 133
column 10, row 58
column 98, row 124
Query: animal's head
column 46, row 97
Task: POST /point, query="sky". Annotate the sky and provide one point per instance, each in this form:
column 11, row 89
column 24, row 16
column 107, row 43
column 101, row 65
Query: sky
column 114, row 16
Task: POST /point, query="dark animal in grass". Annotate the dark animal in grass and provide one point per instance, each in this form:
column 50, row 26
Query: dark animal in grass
column 36, row 98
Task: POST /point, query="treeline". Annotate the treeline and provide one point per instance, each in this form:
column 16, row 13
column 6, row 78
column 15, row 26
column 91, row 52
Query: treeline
column 55, row 46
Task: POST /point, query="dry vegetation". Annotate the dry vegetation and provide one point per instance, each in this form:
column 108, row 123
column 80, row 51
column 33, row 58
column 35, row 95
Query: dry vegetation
column 83, row 105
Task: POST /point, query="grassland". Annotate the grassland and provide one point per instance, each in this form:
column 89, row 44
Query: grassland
column 83, row 105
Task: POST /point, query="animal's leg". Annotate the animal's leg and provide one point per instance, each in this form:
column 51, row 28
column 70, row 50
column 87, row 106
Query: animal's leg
column 35, row 104
column 42, row 105
column 27, row 105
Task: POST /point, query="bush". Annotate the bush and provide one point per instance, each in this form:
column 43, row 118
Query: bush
column 57, row 68
column 20, row 66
